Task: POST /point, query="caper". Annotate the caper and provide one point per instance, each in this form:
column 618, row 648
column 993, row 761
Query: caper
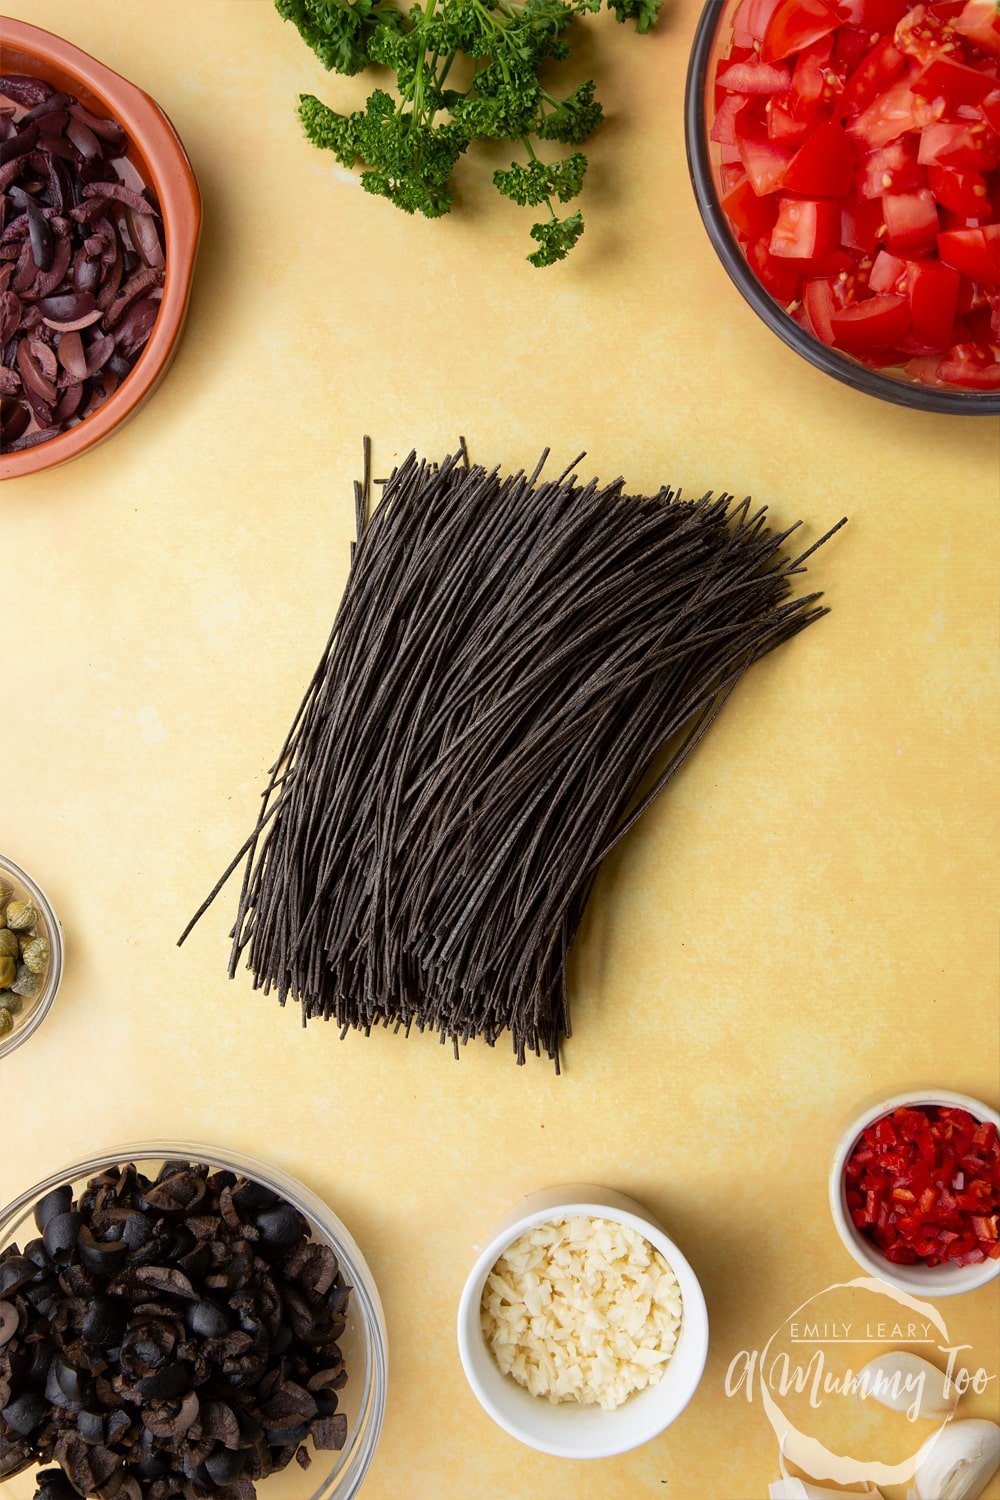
column 35, row 955
column 6, row 1022
column 6, row 891
column 21, row 916
column 8, row 972
column 13, row 1003
column 26, row 983
column 9, row 945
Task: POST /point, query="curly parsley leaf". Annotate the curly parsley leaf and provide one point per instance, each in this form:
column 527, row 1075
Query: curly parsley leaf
column 407, row 144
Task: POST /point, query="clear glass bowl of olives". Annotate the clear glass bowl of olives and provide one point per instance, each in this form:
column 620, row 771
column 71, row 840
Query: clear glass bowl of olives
column 31, row 955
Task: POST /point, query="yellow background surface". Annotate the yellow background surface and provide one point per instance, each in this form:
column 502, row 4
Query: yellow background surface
column 805, row 919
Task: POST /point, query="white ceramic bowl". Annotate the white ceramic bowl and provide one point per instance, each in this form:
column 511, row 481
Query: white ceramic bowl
column 569, row 1430
column 923, row 1281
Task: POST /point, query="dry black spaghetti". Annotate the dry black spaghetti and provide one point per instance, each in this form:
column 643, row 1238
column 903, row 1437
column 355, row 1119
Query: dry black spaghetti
column 509, row 656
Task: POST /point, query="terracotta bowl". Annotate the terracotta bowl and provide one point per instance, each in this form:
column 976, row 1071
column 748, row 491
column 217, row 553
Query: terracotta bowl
column 157, row 154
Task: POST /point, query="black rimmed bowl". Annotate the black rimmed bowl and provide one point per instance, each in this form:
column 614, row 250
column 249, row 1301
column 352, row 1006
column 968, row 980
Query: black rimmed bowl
column 712, row 41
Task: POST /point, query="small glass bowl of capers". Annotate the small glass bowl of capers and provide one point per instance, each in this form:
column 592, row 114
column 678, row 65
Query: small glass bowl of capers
column 31, row 955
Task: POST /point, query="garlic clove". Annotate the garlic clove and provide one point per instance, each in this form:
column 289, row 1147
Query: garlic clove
column 799, row 1489
column 906, row 1382
column 958, row 1462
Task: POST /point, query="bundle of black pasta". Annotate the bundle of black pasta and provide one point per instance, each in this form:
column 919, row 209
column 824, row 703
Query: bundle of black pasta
column 509, row 657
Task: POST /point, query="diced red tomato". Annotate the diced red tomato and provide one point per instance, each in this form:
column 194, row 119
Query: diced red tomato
column 862, row 225
column 821, row 302
column 924, row 33
column 814, row 87
column 805, row 228
column 754, row 78
column 874, row 15
column 795, row 25
column 974, row 147
column 875, row 323
column 724, row 124
column 933, row 292
column 782, row 126
column 891, row 169
column 886, row 273
column 979, row 23
column 751, row 216
column 765, row 164
column 974, row 252
column 892, row 114
column 824, row 166
column 782, row 278
column 979, row 370
column 944, row 78
column 911, row 222
column 964, row 193
column 990, row 109
column 751, row 21
column 883, row 66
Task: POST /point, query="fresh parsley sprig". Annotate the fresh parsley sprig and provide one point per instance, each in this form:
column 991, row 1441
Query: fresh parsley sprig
column 408, row 145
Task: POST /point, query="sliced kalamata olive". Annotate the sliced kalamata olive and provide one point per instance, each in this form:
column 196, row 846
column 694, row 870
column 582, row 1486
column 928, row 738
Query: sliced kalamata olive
column 25, row 1413
column 86, row 272
column 15, row 1272
column 67, row 306
column 70, row 354
column 31, row 439
column 15, row 418
column 60, row 265
column 107, row 130
column 145, row 236
column 134, row 329
column 40, row 234
column 45, row 107
column 83, row 139
column 20, row 145
column 45, row 357
column 60, row 1233
column 34, row 380
column 68, row 403
column 10, row 315
column 117, row 192
column 25, row 90
column 9, row 1320
column 134, row 288
column 10, row 382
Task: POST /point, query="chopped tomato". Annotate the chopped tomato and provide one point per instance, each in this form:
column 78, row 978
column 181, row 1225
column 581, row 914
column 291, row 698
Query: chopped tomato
column 892, row 114
column 933, row 292
column 782, row 278
column 765, row 164
column 951, row 81
column 979, row 22
column 876, row 323
column 724, row 124
column 821, row 302
column 881, row 68
column 974, row 252
column 754, row 78
column 874, row 15
column 911, row 221
column 805, row 228
column 751, row 21
column 977, row 369
column 814, row 87
column 924, row 33
column 862, row 225
column 965, row 193
column 783, row 126
column 891, row 169
column 750, row 215
column 824, row 166
column 990, row 109
column 972, row 147
column 795, row 25
column 886, row 273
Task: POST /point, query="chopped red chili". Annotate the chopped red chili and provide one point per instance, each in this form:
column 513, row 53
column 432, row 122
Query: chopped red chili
column 923, row 1183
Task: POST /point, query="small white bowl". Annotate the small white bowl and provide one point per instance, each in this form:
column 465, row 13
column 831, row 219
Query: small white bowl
column 924, row 1281
column 568, row 1430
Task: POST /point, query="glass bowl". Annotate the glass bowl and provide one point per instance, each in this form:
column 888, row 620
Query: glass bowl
column 332, row 1476
column 711, row 42
column 35, row 1009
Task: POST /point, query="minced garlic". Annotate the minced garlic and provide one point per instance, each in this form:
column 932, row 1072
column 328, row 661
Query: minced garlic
column 582, row 1310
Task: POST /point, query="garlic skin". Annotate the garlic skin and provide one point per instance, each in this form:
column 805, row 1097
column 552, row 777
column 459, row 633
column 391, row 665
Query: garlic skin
column 904, row 1382
column 958, row 1462
column 798, row 1489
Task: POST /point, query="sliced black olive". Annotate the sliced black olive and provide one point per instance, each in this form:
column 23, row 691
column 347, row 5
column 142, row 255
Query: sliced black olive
column 102, row 1257
column 25, row 1412
column 280, row 1437
column 15, row 1273
column 56, row 1201
column 207, row 1320
column 34, row 1251
column 104, row 1322
column 224, row 1465
column 280, row 1226
column 90, row 1426
column 163, row 1384
column 52, row 1484
column 65, row 1386
column 9, row 1320
column 60, row 1234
